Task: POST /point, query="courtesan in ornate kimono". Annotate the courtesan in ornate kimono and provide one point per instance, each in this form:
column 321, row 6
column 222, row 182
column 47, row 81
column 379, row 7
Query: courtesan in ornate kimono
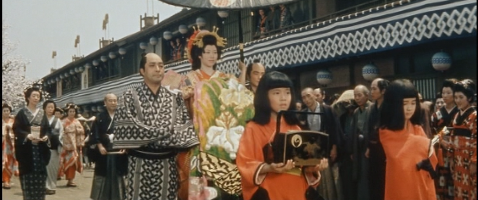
column 219, row 105
column 262, row 179
column 9, row 163
column 463, row 145
column 54, row 134
column 31, row 146
column 73, row 141
column 405, row 145
column 152, row 123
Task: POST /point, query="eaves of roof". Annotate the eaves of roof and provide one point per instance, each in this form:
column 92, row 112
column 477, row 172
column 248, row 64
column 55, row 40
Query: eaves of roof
column 184, row 13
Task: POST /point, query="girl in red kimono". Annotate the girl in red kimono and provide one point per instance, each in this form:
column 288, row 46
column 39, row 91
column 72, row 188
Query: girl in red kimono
column 73, row 141
column 463, row 144
column 405, row 145
column 9, row 163
column 263, row 180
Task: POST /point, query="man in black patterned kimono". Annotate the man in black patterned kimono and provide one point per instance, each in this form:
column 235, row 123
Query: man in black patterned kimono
column 153, row 125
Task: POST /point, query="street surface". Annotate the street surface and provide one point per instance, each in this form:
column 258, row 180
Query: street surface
column 81, row 192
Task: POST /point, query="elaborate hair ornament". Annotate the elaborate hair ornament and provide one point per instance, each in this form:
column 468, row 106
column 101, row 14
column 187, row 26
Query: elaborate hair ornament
column 196, row 39
column 71, row 105
column 34, row 86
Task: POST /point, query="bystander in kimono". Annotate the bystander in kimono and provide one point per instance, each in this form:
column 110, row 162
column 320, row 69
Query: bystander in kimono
column 73, row 141
column 463, row 141
column 410, row 159
column 285, row 18
column 440, row 119
column 152, row 123
column 360, row 134
column 110, row 165
column 9, row 163
column 254, row 73
column 263, row 179
column 54, row 134
column 31, row 146
column 374, row 152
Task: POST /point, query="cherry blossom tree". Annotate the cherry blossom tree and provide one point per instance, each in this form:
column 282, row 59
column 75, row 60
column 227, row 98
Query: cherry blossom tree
column 13, row 72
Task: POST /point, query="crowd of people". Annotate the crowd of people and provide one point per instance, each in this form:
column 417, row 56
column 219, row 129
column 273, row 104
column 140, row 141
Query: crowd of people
column 212, row 138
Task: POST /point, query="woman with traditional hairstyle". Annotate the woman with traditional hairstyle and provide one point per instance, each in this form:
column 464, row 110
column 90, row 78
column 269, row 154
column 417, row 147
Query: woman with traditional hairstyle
column 219, row 106
column 262, row 179
column 463, row 145
column 54, row 134
column 9, row 163
column 31, row 146
column 441, row 118
column 406, row 145
column 73, row 141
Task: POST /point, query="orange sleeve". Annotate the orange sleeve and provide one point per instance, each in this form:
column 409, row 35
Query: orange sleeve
column 250, row 159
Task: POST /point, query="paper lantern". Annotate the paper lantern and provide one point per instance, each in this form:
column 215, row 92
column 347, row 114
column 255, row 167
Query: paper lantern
column 370, row 72
column 441, row 61
column 324, row 77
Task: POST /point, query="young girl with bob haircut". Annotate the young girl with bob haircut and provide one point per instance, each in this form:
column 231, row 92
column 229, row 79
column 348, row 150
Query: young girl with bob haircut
column 405, row 145
column 261, row 180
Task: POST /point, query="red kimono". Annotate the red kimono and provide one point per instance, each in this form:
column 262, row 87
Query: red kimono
column 250, row 160
column 464, row 153
column 403, row 151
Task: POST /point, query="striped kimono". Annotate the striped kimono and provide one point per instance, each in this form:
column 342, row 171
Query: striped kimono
column 153, row 128
column 54, row 164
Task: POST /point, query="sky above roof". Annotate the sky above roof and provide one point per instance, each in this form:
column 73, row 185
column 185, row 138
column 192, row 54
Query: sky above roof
column 40, row 27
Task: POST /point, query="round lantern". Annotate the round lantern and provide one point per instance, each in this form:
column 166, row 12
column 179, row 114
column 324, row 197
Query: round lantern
column 183, row 29
column 87, row 65
column 57, row 79
column 441, row 61
column 95, row 63
column 153, row 40
column 167, row 35
column 200, row 22
column 370, row 72
column 104, row 58
column 112, row 55
column 324, row 77
column 223, row 14
column 143, row 45
column 122, row 51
